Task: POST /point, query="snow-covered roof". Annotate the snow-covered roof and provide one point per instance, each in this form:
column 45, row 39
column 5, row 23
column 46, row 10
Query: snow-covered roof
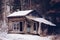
column 41, row 20
column 20, row 13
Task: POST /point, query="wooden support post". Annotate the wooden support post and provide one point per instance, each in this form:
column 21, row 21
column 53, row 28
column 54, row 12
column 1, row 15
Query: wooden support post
column 31, row 27
column 25, row 27
column 39, row 29
column 36, row 28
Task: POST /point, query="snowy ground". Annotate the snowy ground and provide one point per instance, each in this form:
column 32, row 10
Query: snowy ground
column 5, row 36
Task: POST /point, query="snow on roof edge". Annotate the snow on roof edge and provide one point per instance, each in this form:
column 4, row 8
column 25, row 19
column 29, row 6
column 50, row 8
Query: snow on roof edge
column 41, row 20
column 20, row 13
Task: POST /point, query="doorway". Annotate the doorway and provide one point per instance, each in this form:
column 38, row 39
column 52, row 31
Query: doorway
column 35, row 27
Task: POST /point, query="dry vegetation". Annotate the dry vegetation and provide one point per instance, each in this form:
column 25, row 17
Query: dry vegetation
column 55, row 37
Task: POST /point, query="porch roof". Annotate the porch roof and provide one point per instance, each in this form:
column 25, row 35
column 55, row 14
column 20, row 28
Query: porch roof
column 41, row 20
column 20, row 13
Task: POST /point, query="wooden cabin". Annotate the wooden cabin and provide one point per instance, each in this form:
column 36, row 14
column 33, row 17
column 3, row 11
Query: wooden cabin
column 25, row 22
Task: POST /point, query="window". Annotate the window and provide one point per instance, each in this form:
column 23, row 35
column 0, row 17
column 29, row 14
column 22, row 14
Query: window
column 36, row 25
column 18, row 26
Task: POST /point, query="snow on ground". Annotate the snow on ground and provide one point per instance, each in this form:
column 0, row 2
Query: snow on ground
column 23, row 37
column 4, row 36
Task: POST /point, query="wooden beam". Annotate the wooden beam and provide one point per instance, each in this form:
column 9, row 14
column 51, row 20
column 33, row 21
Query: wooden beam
column 39, row 29
column 25, row 27
column 31, row 27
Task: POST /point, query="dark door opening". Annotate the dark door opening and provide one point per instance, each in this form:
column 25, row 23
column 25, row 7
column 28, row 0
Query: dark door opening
column 35, row 27
column 21, row 26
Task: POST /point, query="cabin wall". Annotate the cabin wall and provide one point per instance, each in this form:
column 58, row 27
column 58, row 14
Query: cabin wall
column 25, row 26
column 12, row 20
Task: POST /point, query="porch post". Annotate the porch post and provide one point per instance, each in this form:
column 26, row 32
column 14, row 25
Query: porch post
column 25, row 27
column 39, row 29
column 31, row 31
